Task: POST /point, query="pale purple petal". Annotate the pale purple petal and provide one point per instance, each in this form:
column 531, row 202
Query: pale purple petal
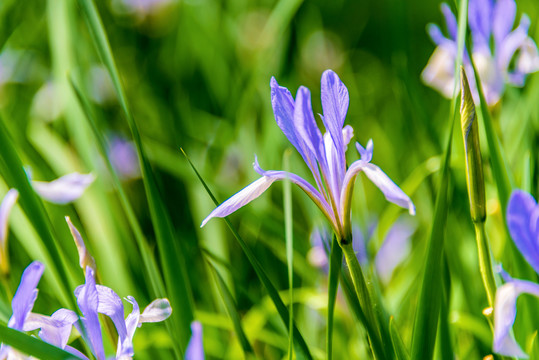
column 318, row 254
column 241, row 198
column 505, row 311
column 87, row 299
column 125, row 347
column 503, row 18
column 439, row 39
column 522, row 217
column 512, row 42
column 359, row 244
column 255, row 189
column 195, row 348
column 65, row 189
column 55, row 329
column 390, row 190
column 7, row 204
column 26, row 295
column 85, row 259
column 479, row 19
column 365, row 153
column 395, row 249
column 283, row 110
column 440, row 70
column 450, row 21
column 335, row 100
column 158, row 310
column 110, row 304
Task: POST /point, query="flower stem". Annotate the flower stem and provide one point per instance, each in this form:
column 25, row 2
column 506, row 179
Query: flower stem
column 485, row 264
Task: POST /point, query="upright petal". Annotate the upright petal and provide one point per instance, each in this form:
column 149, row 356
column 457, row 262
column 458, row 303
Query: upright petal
column 335, row 100
column 195, row 348
column 450, row 21
column 26, row 295
column 65, row 189
column 505, row 311
column 125, row 347
column 503, row 18
column 7, row 204
column 512, row 42
column 479, row 19
column 110, row 304
column 85, row 259
column 522, row 218
column 87, row 299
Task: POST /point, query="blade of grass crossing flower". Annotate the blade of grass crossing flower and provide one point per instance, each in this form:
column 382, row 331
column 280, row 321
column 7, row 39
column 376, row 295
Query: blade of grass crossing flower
column 428, row 308
column 400, row 349
column 31, row 345
column 15, row 176
column 289, row 238
column 232, row 310
column 302, row 350
column 171, row 254
column 147, row 257
column 335, row 264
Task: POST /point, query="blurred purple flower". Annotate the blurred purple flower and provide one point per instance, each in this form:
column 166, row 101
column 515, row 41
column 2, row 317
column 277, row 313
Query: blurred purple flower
column 324, row 155
column 5, row 209
column 395, row 249
column 195, row 348
column 490, row 23
column 124, row 159
column 65, row 189
column 523, row 223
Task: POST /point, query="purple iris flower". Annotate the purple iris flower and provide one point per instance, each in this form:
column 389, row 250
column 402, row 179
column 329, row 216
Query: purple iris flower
column 94, row 299
column 195, row 348
column 523, row 223
column 324, row 155
column 501, row 55
column 54, row 329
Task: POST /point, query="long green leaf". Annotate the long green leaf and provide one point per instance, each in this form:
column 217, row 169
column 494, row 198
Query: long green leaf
column 398, row 344
column 335, row 265
column 232, row 310
column 170, row 250
column 302, row 350
column 13, row 172
column 289, row 238
column 32, row 346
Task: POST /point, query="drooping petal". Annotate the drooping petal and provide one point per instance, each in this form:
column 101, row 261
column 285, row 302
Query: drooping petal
column 522, row 217
column 54, row 329
column 440, row 70
column 195, row 348
column 87, row 300
column 241, row 198
column 503, row 18
column 255, row 189
column 110, row 304
column 394, row 250
column 158, row 310
column 505, row 311
column 512, row 42
column 85, row 259
column 26, row 295
column 65, row 189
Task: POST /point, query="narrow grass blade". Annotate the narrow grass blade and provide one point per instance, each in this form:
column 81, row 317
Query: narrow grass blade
column 171, row 255
column 302, row 350
column 148, row 260
column 400, row 350
column 335, row 264
column 32, row 346
column 289, row 238
column 13, row 172
column 232, row 310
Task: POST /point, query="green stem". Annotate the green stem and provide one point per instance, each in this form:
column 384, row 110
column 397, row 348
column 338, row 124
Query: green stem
column 335, row 263
column 485, row 264
column 360, row 286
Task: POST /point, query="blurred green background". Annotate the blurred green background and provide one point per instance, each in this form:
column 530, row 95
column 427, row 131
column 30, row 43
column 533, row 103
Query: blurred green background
column 196, row 75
